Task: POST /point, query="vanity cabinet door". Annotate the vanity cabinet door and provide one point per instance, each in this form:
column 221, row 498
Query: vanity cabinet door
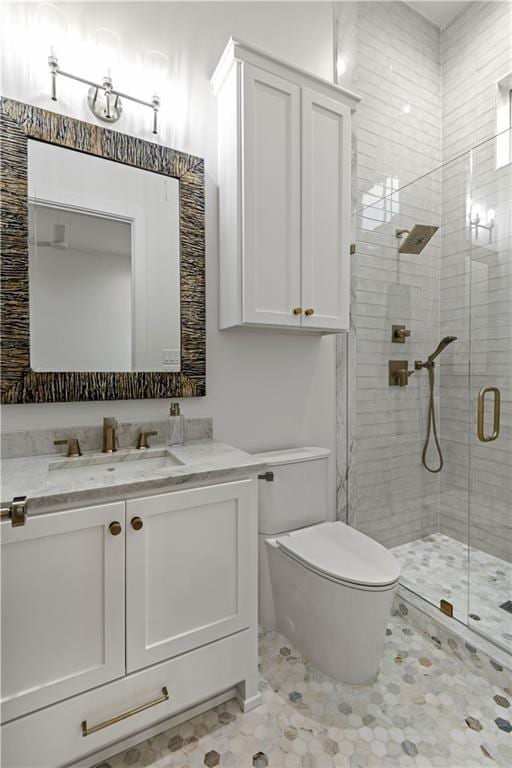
column 325, row 212
column 271, row 194
column 188, row 569
column 62, row 606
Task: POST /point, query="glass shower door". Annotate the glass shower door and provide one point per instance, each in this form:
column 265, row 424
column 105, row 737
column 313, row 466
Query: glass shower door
column 489, row 222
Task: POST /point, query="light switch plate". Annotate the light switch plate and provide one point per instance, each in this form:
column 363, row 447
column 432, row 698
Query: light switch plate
column 171, row 360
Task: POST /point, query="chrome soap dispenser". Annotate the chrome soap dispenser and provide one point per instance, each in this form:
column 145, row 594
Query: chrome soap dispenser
column 176, row 425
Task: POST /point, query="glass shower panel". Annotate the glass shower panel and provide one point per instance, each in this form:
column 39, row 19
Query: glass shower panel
column 489, row 223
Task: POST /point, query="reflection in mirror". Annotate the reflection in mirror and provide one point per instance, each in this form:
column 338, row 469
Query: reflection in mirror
column 80, row 276
column 104, row 267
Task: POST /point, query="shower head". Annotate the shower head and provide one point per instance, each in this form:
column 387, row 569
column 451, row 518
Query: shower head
column 414, row 240
column 442, row 345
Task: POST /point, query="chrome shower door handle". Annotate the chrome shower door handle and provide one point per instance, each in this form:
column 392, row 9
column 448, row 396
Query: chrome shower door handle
column 481, row 413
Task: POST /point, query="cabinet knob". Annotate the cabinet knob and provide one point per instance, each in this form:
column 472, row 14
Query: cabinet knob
column 297, row 311
column 309, row 312
column 115, row 528
column 136, row 523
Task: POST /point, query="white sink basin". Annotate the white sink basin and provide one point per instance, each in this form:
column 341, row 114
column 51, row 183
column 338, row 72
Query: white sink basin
column 113, row 466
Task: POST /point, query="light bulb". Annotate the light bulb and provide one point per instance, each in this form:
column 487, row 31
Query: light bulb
column 50, row 29
column 107, row 50
column 341, row 66
column 156, row 65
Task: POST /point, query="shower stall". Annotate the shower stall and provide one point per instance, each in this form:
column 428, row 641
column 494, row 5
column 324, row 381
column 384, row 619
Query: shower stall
column 451, row 530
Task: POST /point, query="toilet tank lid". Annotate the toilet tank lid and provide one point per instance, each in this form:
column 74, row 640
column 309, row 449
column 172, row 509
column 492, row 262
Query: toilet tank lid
column 343, row 553
column 292, row 455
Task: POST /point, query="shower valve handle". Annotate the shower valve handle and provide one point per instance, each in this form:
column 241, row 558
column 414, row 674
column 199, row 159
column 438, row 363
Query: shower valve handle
column 399, row 373
column 402, row 376
column 399, row 333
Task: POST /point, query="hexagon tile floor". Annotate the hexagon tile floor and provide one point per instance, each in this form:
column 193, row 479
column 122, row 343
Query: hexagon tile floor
column 428, row 707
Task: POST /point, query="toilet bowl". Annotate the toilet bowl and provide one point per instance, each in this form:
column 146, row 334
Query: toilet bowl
column 326, row 586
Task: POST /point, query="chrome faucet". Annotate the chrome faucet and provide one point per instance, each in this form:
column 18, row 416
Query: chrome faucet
column 110, row 441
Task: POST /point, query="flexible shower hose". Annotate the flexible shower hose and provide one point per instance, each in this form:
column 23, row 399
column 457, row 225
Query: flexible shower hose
column 432, row 427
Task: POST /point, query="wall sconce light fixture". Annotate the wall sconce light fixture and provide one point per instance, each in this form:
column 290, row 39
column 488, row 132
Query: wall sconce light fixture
column 476, row 223
column 105, row 101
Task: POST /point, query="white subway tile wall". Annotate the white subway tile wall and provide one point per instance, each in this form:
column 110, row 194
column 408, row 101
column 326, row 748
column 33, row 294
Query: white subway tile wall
column 390, row 55
column 428, row 96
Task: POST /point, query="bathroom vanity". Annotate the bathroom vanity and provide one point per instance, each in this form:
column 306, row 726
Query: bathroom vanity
column 129, row 596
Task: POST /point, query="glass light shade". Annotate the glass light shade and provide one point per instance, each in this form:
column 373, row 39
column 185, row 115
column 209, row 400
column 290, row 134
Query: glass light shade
column 157, row 70
column 341, row 66
column 50, row 32
column 107, row 51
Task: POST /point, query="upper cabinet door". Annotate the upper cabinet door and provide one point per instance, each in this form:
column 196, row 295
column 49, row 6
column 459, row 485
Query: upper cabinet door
column 62, row 606
column 325, row 212
column 271, row 198
column 190, row 559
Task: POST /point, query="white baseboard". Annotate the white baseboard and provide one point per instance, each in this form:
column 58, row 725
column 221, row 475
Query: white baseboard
column 247, row 704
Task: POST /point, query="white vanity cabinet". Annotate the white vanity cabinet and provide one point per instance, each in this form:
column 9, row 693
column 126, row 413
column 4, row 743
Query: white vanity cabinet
column 188, row 570
column 284, row 195
column 80, row 676
column 62, row 606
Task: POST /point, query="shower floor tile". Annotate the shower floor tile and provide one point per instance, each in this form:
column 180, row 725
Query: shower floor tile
column 427, row 708
column 436, row 567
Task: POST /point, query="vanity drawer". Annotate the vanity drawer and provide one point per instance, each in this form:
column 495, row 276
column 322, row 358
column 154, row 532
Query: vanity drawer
column 53, row 737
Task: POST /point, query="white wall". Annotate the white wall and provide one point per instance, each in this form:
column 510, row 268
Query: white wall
column 264, row 389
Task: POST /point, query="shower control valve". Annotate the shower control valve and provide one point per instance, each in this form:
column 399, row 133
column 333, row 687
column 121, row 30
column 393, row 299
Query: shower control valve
column 399, row 373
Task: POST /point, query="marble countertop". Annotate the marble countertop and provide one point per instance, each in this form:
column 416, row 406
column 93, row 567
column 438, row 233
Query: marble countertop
column 39, row 478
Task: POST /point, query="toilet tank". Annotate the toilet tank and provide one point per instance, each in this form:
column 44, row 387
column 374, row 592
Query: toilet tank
column 297, row 495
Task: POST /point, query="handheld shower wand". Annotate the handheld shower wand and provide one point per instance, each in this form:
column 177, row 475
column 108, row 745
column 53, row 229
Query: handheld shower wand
column 429, row 364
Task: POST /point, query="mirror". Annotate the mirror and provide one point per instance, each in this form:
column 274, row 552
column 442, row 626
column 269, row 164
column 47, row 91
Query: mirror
column 104, row 264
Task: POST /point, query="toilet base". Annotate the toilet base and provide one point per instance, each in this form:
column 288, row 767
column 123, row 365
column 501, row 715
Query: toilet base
column 340, row 628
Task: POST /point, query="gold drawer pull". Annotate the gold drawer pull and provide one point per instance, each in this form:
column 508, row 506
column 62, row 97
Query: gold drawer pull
column 309, row 312
column 87, row 730
column 297, row 311
column 481, row 413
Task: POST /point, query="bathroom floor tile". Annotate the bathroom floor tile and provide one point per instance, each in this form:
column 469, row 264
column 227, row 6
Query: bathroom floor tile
column 426, row 708
column 436, row 567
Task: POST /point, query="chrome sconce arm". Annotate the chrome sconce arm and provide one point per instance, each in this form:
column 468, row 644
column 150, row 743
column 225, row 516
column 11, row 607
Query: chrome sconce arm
column 105, row 102
column 475, row 223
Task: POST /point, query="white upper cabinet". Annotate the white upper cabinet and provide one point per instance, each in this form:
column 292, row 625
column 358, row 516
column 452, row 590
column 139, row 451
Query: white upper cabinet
column 284, row 195
column 325, row 212
column 271, row 212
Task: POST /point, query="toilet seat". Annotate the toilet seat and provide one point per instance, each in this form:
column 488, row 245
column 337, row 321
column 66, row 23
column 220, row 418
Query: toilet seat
column 341, row 553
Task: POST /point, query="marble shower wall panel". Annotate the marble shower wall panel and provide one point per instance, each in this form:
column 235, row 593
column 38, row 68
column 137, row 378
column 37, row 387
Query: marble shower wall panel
column 390, row 55
column 476, row 280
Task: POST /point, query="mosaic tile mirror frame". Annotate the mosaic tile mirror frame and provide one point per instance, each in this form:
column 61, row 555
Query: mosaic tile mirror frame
column 19, row 382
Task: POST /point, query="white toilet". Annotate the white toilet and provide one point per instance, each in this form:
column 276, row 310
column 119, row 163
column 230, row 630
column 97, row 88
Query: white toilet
column 327, row 587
